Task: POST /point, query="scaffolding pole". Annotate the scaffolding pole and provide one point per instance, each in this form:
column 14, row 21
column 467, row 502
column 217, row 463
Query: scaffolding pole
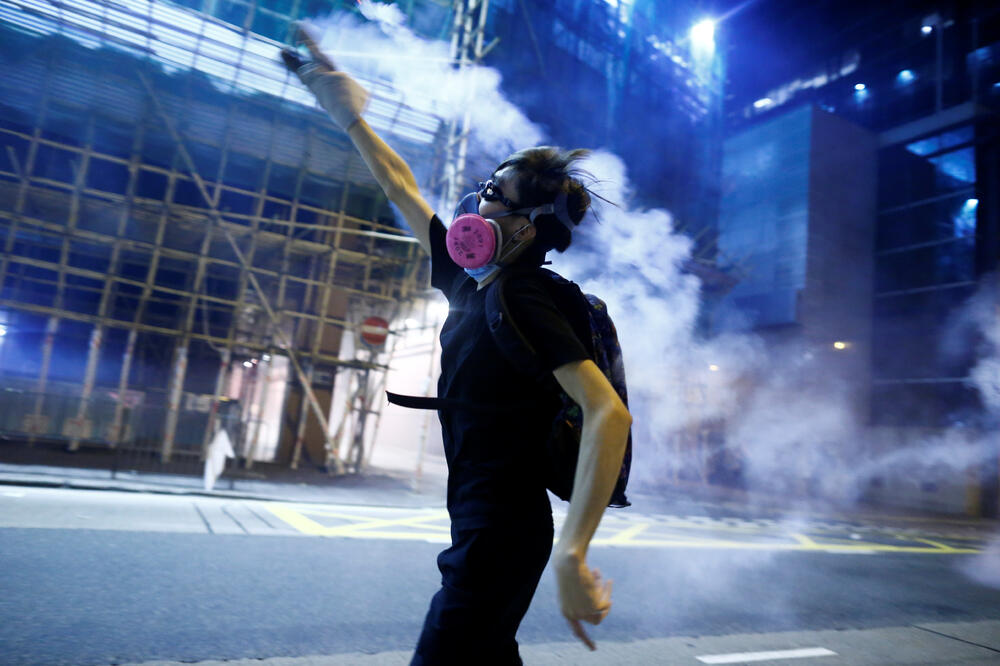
column 468, row 27
column 123, row 230
column 283, row 343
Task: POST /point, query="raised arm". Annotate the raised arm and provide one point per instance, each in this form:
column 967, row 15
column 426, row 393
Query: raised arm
column 396, row 180
column 344, row 99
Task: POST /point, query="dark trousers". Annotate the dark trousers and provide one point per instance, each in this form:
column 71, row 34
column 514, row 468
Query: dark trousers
column 488, row 577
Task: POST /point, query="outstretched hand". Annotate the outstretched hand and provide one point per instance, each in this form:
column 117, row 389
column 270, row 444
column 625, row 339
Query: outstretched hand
column 304, row 36
column 583, row 595
column 342, row 97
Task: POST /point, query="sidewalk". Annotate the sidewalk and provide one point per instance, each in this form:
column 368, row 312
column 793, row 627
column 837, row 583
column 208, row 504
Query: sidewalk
column 372, row 488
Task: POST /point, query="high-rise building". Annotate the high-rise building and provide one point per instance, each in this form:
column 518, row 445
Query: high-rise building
column 641, row 78
column 920, row 84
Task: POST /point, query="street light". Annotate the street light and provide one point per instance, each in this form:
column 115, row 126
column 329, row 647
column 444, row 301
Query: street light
column 703, row 35
column 840, row 345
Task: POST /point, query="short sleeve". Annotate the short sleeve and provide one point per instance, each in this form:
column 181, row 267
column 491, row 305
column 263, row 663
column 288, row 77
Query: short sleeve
column 546, row 326
column 444, row 271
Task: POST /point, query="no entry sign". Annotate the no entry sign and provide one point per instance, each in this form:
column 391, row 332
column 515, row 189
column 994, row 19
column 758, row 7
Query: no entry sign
column 374, row 331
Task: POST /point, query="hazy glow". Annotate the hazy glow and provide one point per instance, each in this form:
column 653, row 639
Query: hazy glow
column 905, row 77
column 703, row 35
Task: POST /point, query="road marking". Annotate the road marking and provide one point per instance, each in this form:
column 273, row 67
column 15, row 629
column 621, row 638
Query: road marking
column 363, row 522
column 362, row 525
column 743, row 657
column 625, row 534
column 13, row 494
column 938, row 544
column 804, row 540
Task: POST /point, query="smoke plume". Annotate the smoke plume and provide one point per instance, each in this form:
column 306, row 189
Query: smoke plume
column 776, row 417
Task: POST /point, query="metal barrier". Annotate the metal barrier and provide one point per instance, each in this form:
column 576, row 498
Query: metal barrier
column 133, row 433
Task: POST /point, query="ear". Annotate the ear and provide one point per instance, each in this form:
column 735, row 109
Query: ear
column 527, row 233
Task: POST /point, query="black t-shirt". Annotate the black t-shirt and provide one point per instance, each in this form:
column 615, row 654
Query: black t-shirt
column 493, row 458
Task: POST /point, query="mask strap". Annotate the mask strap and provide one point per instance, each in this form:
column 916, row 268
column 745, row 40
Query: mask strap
column 557, row 208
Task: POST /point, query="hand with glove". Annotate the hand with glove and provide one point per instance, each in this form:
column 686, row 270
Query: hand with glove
column 342, row 97
column 345, row 101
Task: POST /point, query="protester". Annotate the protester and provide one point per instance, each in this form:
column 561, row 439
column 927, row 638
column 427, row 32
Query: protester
column 501, row 519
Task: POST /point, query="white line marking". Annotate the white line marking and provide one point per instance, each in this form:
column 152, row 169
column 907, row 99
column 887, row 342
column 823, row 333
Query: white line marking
column 743, row 657
column 13, row 494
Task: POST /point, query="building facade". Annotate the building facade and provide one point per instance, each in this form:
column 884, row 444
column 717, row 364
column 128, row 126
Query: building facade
column 923, row 81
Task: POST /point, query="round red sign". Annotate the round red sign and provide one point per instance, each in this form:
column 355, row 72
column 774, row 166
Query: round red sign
column 374, row 331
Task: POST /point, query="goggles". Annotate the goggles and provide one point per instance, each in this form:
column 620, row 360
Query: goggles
column 490, row 191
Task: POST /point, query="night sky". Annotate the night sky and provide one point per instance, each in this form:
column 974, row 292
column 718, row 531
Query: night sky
column 773, row 41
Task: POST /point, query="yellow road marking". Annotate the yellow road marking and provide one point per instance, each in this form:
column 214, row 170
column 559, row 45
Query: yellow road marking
column 736, row 545
column 365, row 525
column 624, row 535
column 297, row 520
column 406, row 521
column 368, row 527
column 943, row 547
column 804, row 540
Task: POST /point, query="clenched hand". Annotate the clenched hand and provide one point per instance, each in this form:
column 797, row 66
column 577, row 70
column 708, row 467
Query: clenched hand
column 583, row 595
column 342, row 97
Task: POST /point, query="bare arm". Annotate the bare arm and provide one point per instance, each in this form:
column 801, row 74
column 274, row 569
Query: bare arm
column 602, row 446
column 396, row 180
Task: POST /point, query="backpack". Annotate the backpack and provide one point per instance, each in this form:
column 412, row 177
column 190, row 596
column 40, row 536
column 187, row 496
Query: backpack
column 587, row 313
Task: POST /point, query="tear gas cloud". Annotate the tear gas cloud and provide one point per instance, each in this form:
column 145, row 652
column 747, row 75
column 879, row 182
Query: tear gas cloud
column 422, row 74
column 788, row 424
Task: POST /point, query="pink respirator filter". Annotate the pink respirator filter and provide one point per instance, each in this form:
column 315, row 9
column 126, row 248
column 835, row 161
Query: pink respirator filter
column 472, row 240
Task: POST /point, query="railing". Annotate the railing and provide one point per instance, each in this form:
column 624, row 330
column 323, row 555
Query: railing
column 133, row 433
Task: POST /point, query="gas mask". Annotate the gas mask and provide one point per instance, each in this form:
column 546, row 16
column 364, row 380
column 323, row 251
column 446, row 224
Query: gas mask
column 476, row 243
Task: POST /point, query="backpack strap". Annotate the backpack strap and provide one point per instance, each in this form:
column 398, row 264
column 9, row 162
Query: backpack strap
column 421, row 402
column 508, row 336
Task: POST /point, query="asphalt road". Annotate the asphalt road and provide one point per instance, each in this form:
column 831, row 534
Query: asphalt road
column 105, row 578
